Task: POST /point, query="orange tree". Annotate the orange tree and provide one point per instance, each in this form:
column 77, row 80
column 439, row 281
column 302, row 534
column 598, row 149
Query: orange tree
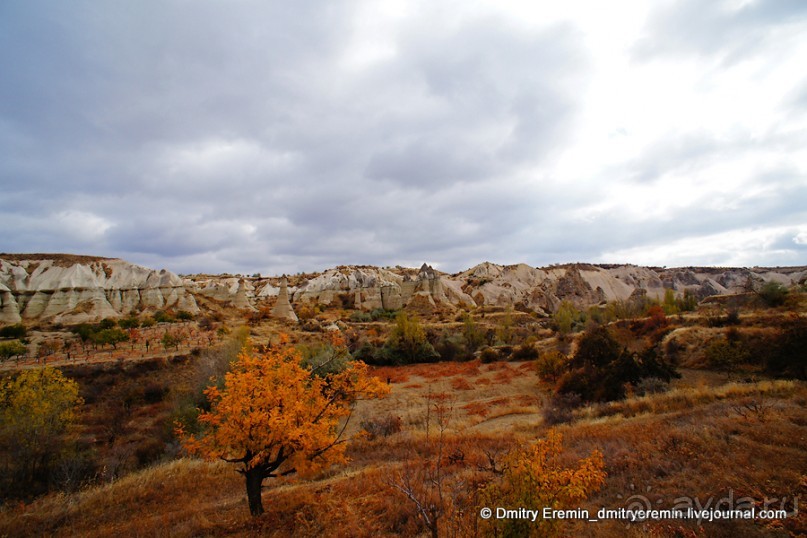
column 273, row 417
column 535, row 478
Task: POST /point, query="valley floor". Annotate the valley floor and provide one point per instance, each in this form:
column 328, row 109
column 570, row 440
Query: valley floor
column 709, row 440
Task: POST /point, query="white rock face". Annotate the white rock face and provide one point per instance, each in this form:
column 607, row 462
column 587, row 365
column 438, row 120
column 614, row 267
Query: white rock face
column 75, row 289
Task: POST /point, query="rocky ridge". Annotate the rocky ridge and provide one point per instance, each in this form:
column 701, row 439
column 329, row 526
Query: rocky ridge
column 75, row 289
column 72, row 289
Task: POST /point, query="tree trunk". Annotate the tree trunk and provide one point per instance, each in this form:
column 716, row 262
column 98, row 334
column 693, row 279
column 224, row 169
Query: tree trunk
column 254, row 479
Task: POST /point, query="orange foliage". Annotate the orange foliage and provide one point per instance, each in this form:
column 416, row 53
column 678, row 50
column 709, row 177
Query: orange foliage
column 534, row 478
column 273, row 418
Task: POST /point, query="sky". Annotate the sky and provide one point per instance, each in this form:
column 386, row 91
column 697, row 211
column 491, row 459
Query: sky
column 278, row 137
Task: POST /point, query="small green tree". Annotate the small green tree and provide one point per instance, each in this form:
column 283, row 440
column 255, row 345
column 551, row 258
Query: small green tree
column 474, row 337
column 110, row 337
column 407, row 342
column 773, row 293
column 565, row 317
column 9, row 350
column 504, row 333
column 670, row 304
column 551, row 365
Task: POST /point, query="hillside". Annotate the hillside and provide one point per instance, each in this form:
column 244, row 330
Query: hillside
column 65, row 288
column 75, row 289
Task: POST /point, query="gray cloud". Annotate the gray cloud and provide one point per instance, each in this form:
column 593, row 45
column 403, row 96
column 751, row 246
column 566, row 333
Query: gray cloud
column 239, row 137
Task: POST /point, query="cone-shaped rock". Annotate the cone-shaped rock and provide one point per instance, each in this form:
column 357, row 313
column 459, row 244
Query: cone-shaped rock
column 283, row 309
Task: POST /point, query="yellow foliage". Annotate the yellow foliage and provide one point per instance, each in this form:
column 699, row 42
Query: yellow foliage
column 535, row 479
column 37, row 405
column 36, row 408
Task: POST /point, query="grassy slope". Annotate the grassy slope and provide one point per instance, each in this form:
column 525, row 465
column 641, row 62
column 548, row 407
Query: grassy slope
column 692, row 441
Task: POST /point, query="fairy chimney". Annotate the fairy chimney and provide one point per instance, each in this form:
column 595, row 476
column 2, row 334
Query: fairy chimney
column 283, row 309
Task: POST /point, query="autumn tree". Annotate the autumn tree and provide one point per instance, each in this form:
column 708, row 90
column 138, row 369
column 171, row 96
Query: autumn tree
column 36, row 408
column 273, row 417
column 534, row 477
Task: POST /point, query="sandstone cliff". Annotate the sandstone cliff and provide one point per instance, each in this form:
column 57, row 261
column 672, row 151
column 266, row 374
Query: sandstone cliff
column 75, row 289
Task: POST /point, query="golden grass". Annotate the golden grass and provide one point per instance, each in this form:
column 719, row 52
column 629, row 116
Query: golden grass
column 690, row 441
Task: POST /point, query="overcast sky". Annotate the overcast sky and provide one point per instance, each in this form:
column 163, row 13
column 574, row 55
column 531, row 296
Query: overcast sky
column 263, row 136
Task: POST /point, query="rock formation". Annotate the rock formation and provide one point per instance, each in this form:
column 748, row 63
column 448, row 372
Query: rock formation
column 283, row 309
column 75, row 289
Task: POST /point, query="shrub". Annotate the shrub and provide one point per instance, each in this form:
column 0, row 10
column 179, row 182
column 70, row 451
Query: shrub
column 787, row 355
column 566, row 318
column 651, row 385
column 12, row 349
column 472, row 334
column 723, row 354
column 13, row 331
column 360, row 317
column 488, row 355
column 107, row 323
column 154, row 393
column 162, row 316
column 524, row 352
column 773, row 293
column 132, row 322
column 382, row 426
column 452, row 348
column 600, row 371
column 560, row 408
column 536, row 477
column 36, row 408
column 596, row 348
column 551, row 365
column 407, row 343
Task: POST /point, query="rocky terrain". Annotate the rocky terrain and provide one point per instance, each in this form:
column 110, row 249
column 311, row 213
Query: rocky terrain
column 74, row 289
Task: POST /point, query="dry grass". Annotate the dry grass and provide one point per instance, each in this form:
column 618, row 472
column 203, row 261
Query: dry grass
column 689, row 442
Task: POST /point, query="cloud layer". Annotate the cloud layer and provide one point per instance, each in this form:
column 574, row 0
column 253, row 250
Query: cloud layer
column 278, row 137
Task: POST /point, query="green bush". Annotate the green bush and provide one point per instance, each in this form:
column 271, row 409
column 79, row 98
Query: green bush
column 161, row 316
column 14, row 348
column 360, row 317
column 551, row 365
column 407, row 343
column 13, row 331
column 600, row 370
column 773, row 293
column 132, row 322
column 524, row 352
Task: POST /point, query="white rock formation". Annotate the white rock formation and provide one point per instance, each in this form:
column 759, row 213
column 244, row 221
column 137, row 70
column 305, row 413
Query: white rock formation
column 75, row 289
